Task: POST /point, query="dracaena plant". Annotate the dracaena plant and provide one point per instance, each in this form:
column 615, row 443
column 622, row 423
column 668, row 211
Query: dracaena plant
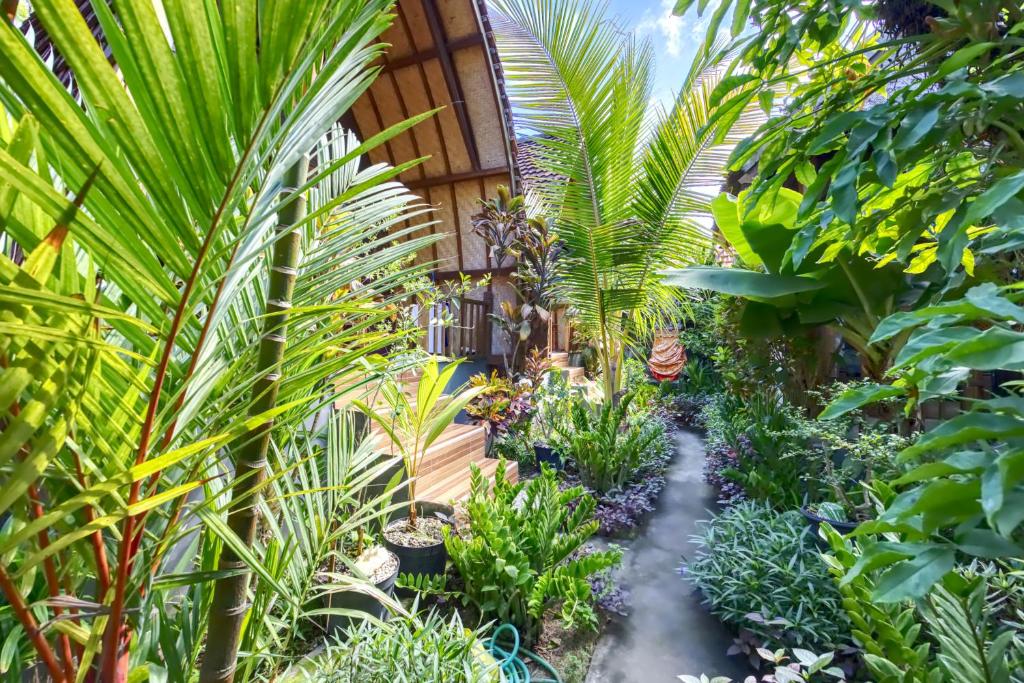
column 194, row 306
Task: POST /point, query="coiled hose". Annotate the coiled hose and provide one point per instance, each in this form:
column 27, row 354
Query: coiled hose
column 510, row 657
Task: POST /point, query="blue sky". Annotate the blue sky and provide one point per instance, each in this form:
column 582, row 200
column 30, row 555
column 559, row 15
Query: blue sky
column 675, row 39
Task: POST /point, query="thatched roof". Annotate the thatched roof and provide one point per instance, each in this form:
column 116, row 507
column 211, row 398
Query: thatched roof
column 443, row 54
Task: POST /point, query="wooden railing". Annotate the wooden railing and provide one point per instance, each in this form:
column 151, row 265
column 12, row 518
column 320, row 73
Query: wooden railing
column 469, row 336
column 559, row 330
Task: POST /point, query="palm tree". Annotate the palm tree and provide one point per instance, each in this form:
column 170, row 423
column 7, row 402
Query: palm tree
column 634, row 183
column 135, row 399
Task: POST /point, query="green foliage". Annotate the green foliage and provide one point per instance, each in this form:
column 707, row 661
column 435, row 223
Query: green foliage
column 755, row 561
column 605, row 446
column 966, row 648
column 415, row 422
column 628, row 203
column 963, row 480
column 895, row 650
column 401, row 651
column 521, row 556
column 134, row 313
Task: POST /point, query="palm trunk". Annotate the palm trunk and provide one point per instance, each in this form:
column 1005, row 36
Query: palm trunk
column 229, row 608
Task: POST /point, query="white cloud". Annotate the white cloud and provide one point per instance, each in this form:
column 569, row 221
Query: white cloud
column 665, row 25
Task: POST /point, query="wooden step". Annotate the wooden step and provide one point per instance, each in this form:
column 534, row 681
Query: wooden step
column 456, row 441
column 456, row 489
column 559, row 359
column 574, row 374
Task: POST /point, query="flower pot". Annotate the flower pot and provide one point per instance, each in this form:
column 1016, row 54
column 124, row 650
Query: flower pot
column 337, row 624
column 815, row 521
column 547, row 455
column 419, row 558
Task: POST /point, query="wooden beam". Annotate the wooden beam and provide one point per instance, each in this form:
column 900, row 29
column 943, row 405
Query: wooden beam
column 451, row 79
column 441, row 275
column 451, row 47
column 456, row 177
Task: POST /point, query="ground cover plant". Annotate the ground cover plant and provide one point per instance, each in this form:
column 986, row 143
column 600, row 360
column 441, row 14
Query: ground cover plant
column 759, row 570
column 404, row 651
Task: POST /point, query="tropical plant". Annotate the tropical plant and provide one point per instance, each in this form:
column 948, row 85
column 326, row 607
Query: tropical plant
column 403, row 651
column 625, row 205
column 606, row 449
column 962, row 481
column 895, row 649
column 315, row 513
column 500, row 224
column 131, row 329
column 413, row 423
column 849, row 294
column 521, row 552
column 501, row 404
column 759, row 569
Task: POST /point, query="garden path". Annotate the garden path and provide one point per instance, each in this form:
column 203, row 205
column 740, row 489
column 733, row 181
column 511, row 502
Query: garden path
column 668, row 632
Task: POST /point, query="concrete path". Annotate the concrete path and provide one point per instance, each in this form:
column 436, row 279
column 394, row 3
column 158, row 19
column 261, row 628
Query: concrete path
column 668, row 632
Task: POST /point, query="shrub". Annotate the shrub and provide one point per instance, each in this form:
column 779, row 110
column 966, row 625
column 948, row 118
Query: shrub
column 720, row 458
column 606, row 448
column 757, row 567
column 400, row 650
column 521, row 552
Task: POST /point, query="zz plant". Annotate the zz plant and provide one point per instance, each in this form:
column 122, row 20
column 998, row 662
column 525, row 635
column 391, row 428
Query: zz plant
column 606, row 448
column 522, row 552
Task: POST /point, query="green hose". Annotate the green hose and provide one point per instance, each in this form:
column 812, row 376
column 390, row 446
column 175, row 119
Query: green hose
column 510, row 660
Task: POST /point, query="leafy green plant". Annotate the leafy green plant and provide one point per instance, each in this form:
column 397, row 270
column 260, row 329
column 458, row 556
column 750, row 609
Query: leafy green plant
column 961, row 497
column 133, row 313
column 415, row 422
column 625, row 204
column 521, row 552
column 759, row 569
column 605, row 446
column 967, row 649
column 403, row 651
column 890, row 634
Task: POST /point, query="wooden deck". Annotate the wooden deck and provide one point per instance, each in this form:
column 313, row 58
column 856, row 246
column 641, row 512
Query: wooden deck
column 444, row 471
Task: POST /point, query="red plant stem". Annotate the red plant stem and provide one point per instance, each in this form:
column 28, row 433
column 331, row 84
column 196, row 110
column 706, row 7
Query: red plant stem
column 169, row 433
column 68, row 590
column 52, row 583
column 110, row 672
column 28, row 622
column 35, row 510
column 98, row 549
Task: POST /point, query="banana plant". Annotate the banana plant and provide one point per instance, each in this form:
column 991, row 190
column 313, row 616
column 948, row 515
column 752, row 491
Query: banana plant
column 788, row 294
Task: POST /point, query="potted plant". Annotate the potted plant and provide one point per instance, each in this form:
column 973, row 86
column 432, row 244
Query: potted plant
column 414, row 423
column 361, row 486
column 499, row 406
column 543, row 430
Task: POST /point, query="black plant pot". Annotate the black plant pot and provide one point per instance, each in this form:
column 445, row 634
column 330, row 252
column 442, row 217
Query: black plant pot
column 815, row 521
column 548, row 455
column 426, row 561
column 337, row 624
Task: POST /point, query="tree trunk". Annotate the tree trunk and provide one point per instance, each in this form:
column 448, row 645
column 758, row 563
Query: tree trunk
column 229, row 608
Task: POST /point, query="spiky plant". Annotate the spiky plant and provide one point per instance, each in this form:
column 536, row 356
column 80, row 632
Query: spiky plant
column 628, row 200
